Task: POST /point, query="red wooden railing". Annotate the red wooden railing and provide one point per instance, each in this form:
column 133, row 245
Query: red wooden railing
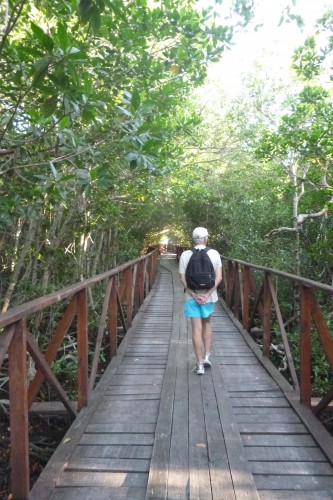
column 255, row 297
column 127, row 284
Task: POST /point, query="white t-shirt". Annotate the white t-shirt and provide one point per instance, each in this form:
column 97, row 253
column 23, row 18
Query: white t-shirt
column 216, row 261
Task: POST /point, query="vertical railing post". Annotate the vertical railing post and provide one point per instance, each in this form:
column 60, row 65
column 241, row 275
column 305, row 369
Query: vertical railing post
column 146, row 277
column 82, row 348
column 19, row 423
column 305, row 345
column 230, row 273
column 135, row 290
column 129, row 296
column 237, row 291
column 141, row 282
column 225, row 284
column 112, row 319
column 267, row 298
column 151, row 271
column 246, row 297
column 155, row 266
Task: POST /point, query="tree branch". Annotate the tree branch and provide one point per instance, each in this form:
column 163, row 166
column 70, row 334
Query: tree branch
column 280, row 230
column 303, row 217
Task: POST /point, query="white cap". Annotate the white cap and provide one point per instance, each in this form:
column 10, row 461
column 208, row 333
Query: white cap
column 199, row 232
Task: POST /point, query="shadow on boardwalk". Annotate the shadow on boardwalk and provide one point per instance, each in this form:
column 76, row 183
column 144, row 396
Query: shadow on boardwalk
column 156, row 430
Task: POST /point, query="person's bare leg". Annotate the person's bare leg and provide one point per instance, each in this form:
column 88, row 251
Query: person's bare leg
column 207, row 335
column 197, row 341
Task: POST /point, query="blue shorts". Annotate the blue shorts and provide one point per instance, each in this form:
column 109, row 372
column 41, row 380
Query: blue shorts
column 194, row 310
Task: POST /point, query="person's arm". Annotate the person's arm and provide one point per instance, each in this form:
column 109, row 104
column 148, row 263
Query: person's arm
column 218, row 279
column 183, row 282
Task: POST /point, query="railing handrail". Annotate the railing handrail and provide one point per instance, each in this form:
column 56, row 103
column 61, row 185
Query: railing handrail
column 299, row 279
column 23, row 310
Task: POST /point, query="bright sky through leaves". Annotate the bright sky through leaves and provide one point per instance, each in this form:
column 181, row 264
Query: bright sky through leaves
column 269, row 44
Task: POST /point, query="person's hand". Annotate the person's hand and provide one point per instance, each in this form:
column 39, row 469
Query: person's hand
column 201, row 298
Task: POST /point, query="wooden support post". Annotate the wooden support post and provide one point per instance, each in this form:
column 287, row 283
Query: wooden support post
column 267, row 298
column 129, row 296
column 225, row 284
column 151, row 271
column 19, row 423
column 146, row 277
column 155, row 261
column 141, row 282
column 246, row 298
column 112, row 320
column 82, row 348
column 237, row 297
column 230, row 273
column 135, row 290
column 305, row 345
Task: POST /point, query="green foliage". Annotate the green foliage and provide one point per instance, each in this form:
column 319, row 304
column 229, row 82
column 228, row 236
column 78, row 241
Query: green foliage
column 93, row 97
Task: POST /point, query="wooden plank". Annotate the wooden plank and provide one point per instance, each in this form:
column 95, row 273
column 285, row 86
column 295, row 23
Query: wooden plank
column 132, row 380
column 140, row 370
column 221, row 478
column 272, row 428
column 103, row 416
column 296, row 468
column 302, row 440
column 290, row 453
column 289, row 482
column 255, row 394
column 199, row 477
column 120, row 427
column 241, row 475
column 139, row 389
column 252, row 386
column 178, row 458
column 274, row 418
column 110, row 479
column 132, row 397
column 100, row 493
column 129, row 406
column 113, row 451
column 158, row 474
column 117, row 438
column 249, row 360
column 279, row 413
column 265, row 402
column 107, row 465
column 146, row 360
column 294, row 495
column 49, row 408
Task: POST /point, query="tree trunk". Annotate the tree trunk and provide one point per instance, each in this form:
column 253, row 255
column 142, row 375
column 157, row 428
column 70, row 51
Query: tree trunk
column 19, row 263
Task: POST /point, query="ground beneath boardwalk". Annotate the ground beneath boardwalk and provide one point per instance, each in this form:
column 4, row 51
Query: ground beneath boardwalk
column 45, row 434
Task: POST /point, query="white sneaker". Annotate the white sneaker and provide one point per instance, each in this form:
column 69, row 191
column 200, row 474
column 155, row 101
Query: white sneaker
column 207, row 363
column 200, row 369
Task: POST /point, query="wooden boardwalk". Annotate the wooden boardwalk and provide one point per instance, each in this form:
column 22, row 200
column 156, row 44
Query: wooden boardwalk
column 156, row 430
